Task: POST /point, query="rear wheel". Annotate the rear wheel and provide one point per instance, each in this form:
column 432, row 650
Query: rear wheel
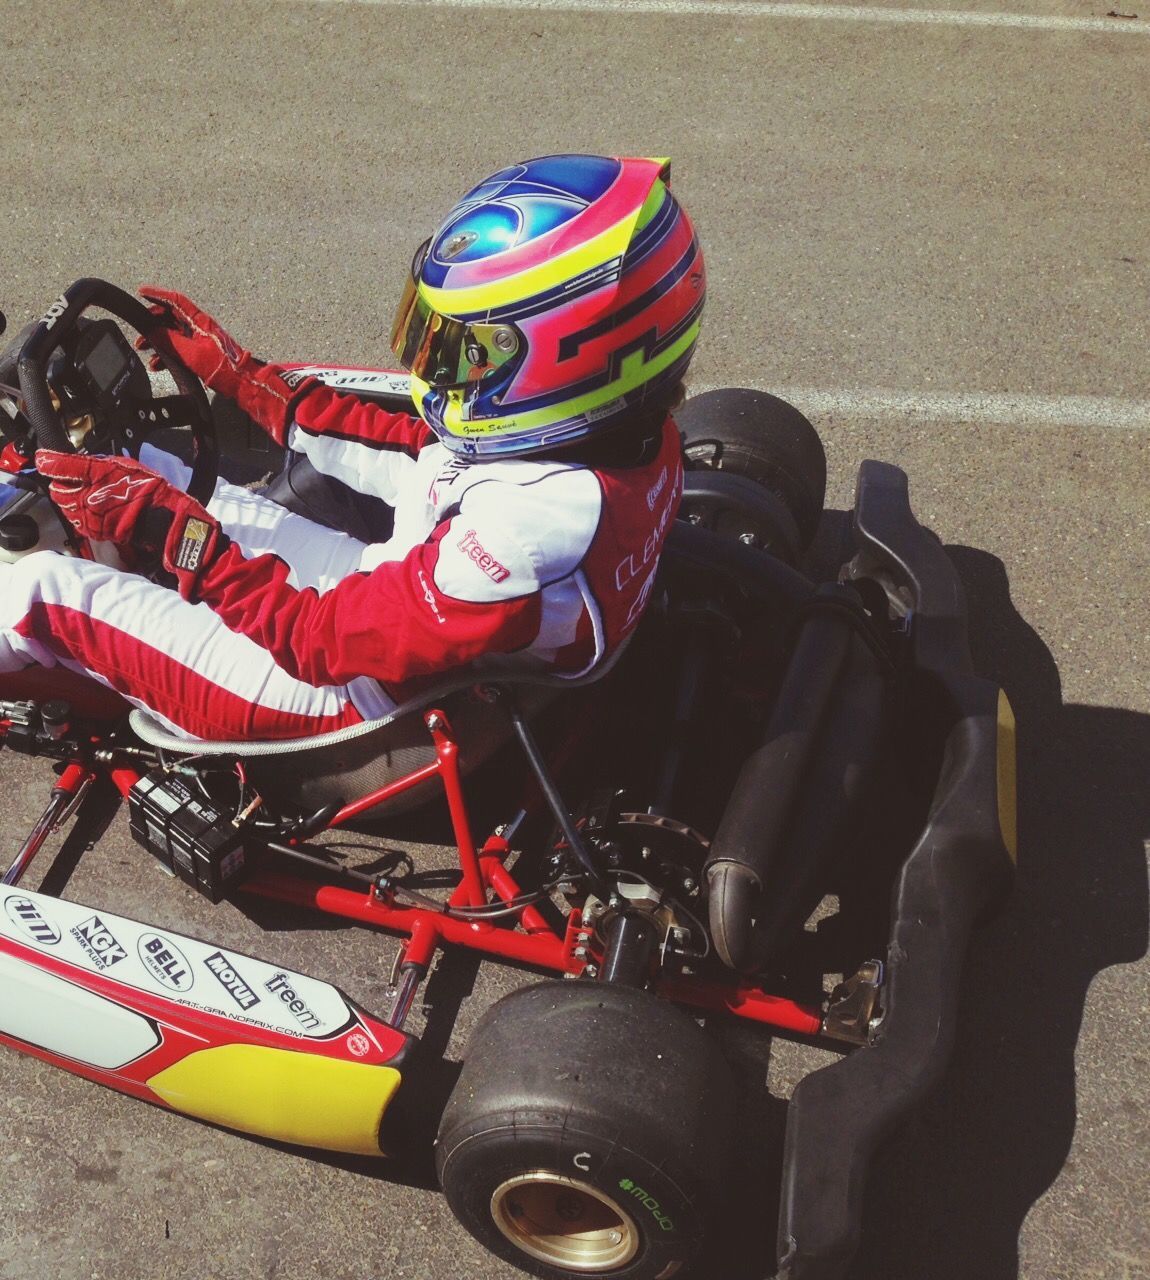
column 752, row 434
column 589, row 1133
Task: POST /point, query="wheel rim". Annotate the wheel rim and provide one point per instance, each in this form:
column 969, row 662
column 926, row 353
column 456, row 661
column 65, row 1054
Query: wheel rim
column 564, row 1222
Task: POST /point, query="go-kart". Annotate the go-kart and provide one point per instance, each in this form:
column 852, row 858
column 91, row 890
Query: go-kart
column 656, row 838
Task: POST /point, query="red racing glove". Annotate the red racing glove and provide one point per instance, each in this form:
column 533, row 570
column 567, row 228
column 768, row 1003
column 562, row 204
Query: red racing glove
column 266, row 392
column 123, row 502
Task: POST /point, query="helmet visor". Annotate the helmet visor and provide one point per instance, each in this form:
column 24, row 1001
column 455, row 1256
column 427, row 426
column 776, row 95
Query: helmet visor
column 446, row 352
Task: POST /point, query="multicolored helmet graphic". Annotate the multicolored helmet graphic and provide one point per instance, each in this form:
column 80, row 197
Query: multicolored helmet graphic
column 559, row 296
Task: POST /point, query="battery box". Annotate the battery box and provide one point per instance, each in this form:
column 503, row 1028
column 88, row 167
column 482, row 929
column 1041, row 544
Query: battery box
column 187, row 833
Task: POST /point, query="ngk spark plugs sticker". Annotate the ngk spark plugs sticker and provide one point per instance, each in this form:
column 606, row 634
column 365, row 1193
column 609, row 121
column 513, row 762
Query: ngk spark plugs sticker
column 99, row 942
column 193, row 973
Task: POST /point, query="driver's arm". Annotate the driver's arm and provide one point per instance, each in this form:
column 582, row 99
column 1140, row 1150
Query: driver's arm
column 353, row 440
column 472, row 588
column 357, row 442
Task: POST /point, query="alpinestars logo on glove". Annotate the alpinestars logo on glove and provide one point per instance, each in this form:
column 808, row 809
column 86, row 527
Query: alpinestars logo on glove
column 120, row 490
column 192, row 542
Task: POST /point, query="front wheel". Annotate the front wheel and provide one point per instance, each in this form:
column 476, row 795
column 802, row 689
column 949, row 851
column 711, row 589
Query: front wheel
column 589, row 1133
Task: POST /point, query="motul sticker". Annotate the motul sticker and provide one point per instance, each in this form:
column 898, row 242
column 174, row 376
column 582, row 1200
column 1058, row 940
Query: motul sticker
column 26, row 915
column 222, row 969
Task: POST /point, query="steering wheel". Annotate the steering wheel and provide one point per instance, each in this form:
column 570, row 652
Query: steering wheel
column 126, row 413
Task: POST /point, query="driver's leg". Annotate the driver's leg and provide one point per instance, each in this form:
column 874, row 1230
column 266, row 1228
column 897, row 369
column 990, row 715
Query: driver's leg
column 318, row 557
column 159, row 651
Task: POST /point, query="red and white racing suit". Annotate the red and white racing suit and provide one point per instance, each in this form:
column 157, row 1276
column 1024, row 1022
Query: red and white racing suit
column 300, row 629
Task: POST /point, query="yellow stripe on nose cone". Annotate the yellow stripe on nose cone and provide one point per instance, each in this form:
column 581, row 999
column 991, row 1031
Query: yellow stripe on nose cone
column 280, row 1094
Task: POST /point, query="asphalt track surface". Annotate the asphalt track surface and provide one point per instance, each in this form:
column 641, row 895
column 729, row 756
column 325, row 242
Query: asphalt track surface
column 933, row 235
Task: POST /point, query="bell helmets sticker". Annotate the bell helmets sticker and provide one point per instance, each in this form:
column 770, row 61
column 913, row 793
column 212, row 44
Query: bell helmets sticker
column 165, row 962
column 239, row 987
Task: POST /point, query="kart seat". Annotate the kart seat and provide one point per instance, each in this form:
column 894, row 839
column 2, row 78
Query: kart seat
column 342, row 765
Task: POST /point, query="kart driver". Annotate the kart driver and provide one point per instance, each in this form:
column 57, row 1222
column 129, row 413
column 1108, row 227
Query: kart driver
column 546, row 326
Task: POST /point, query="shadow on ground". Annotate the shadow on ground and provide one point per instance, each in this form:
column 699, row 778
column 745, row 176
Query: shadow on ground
column 949, row 1194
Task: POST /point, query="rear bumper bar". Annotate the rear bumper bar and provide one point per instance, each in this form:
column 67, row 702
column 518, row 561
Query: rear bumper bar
column 959, row 867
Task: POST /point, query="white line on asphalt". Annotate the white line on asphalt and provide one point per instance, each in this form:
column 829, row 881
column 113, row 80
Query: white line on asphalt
column 1117, row 25
column 997, row 408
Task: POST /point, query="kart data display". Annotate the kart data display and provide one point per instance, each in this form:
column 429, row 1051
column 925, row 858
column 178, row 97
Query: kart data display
column 105, row 363
column 105, row 360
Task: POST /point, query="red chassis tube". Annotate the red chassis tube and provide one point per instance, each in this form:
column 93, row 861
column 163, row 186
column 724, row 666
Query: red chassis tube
column 428, row 929
column 486, row 881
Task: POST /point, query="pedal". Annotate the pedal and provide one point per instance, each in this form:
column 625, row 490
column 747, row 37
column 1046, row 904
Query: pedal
column 22, row 727
column 853, row 1012
column 33, row 727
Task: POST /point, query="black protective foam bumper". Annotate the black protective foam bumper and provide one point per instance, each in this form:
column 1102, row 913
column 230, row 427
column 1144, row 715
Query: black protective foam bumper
column 960, row 865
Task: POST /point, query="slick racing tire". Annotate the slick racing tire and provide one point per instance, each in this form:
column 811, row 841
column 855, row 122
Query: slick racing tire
column 589, row 1133
column 762, row 438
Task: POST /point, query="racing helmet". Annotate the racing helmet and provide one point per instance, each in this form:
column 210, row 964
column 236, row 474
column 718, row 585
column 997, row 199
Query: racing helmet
column 559, row 298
